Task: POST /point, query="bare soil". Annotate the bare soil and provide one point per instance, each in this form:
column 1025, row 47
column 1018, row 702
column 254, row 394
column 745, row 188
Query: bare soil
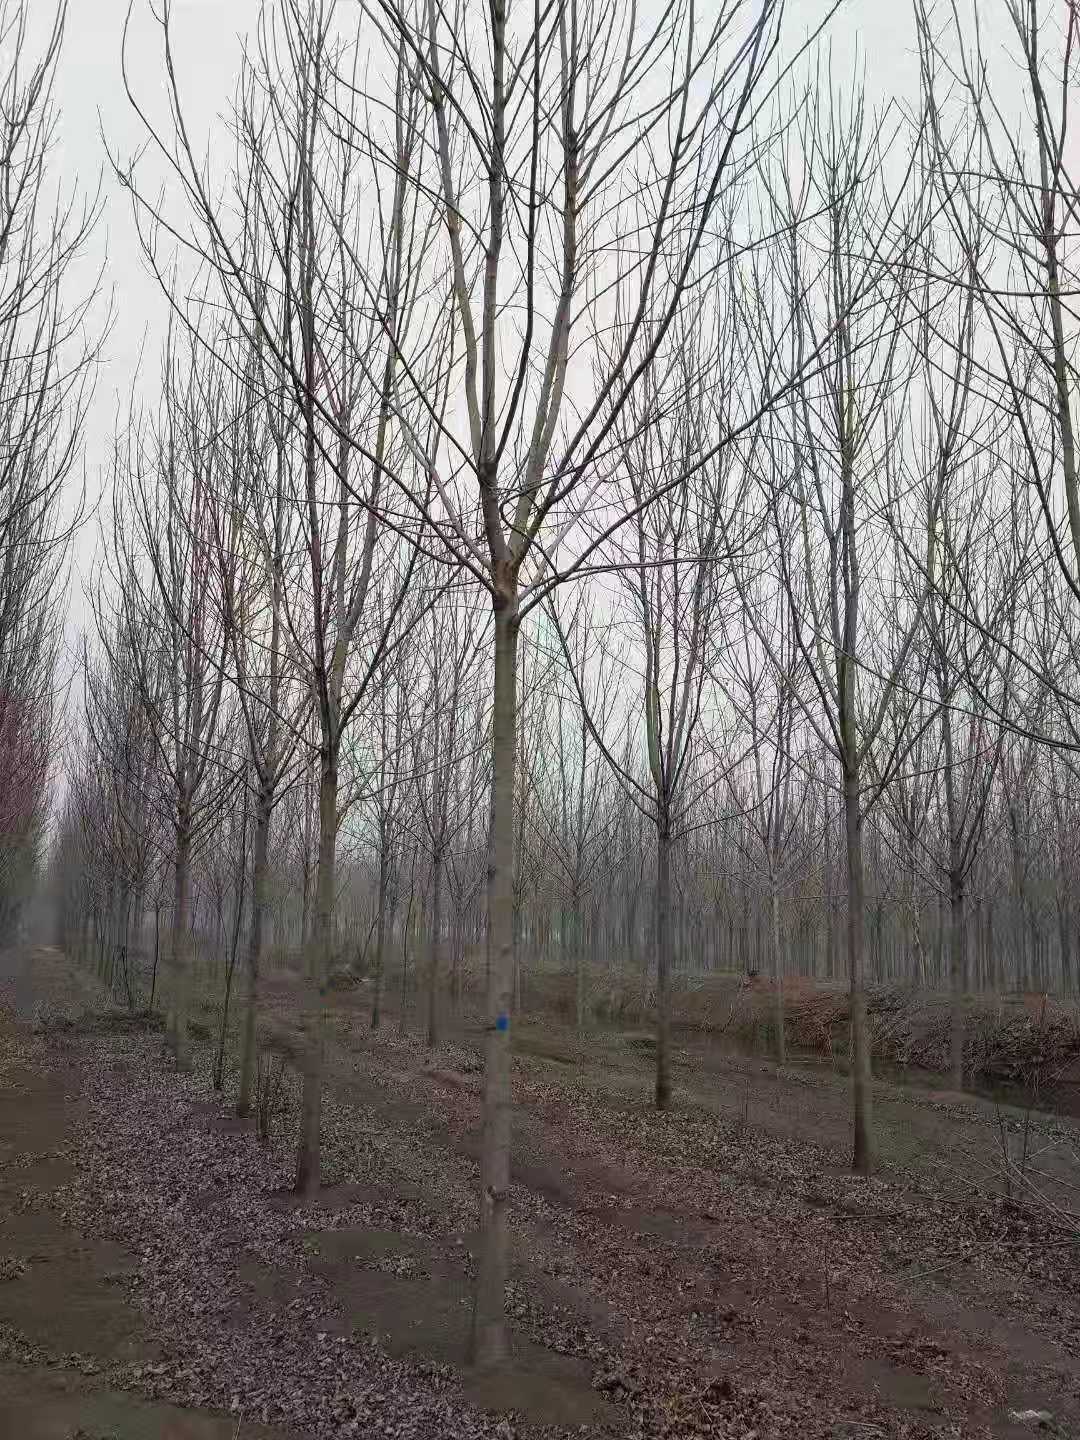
column 713, row 1271
column 66, row 1324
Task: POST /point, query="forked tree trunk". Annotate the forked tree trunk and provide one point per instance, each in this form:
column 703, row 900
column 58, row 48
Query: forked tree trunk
column 489, row 1346
column 862, row 1159
column 259, row 859
column 663, row 964
column 316, row 966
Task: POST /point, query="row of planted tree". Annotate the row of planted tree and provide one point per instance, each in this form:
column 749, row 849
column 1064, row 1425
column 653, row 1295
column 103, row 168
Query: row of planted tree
column 607, row 498
column 584, row 891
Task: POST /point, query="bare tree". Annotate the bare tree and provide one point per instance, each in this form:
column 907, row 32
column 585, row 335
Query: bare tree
column 161, row 599
column 570, row 804
column 47, row 366
column 531, row 123
column 676, row 571
column 344, row 296
column 391, row 706
column 766, row 702
column 255, row 531
column 448, row 642
column 1013, row 181
column 118, row 798
column 843, row 290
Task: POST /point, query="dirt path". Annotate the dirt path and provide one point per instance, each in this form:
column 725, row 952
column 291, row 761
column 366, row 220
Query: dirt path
column 706, row 1273
column 65, row 1320
column 150, row 1253
column 954, row 1141
column 737, row 1268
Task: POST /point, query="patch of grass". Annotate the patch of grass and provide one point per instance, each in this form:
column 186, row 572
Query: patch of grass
column 544, row 1047
column 639, row 1040
column 128, row 1022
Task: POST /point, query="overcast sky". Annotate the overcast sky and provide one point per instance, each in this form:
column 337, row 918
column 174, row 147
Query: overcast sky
column 207, row 45
column 96, row 112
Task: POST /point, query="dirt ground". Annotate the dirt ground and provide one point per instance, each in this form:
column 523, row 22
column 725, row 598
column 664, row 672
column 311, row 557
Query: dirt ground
column 714, row 1271
column 66, row 1321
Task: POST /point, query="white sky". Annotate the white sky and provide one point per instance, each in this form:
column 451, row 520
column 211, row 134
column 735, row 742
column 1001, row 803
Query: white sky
column 95, row 110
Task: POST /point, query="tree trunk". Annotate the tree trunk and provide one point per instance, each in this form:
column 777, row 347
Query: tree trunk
column 232, row 949
column 259, row 859
column 663, row 963
column 631, row 927
column 577, row 940
column 957, row 976
column 862, row 1159
column 1065, row 938
column 157, row 952
column 176, row 1029
column 305, row 911
column 518, row 1002
column 457, row 956
column 434, row 970
column 380, row 936
column 489, row 1345
column 316, row 966
column 826, row 885
column 778, row 974
column 126, row 953
column 406, row 929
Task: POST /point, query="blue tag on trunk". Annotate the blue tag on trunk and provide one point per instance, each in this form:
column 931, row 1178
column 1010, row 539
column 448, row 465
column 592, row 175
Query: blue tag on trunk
column 502, row 1022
